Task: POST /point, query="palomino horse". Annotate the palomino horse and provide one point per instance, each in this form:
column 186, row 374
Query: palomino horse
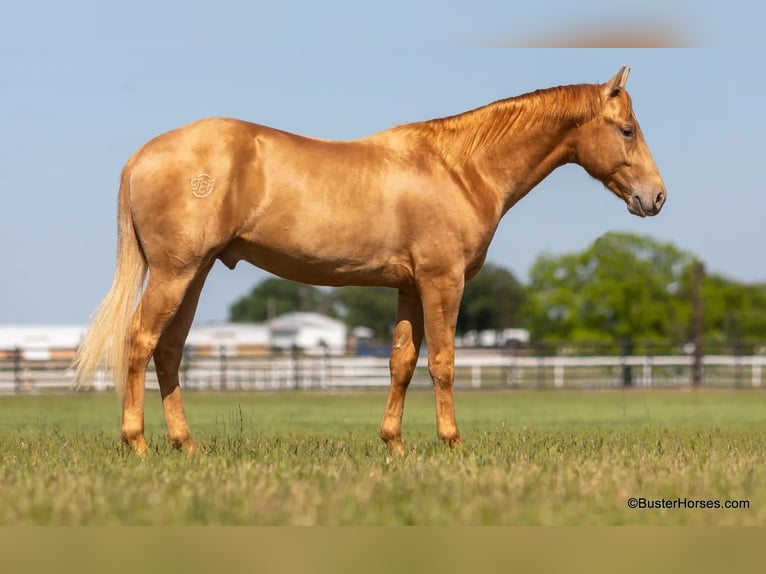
column 413, row 208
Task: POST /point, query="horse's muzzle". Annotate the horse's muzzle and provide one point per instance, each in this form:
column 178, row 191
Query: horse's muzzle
column 647, row 206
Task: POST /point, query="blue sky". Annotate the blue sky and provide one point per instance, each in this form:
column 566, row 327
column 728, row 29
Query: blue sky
column 83, row 85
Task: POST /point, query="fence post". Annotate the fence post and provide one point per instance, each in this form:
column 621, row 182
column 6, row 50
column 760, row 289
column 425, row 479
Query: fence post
column 17, row 368
column 296, row 364
column 648, row 375
column 558, row 372
column 319, row 370
column 737, row 364
column 626, row 348
column 475, row 376
column 540, row 365
column 222, row 358
column 326, row 379
column 697, row 324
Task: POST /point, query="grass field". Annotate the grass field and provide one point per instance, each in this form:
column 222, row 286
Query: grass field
column 308, row 458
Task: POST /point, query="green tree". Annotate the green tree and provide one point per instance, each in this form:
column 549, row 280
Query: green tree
column 491, row 300
column 624, row 286
column 276, row 296
column 733, row 312
column 373, row 307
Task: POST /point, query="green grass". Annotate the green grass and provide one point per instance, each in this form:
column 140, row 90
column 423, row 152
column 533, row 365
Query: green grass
column 311, row 458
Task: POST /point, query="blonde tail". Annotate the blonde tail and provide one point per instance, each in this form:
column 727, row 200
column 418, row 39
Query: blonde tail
column 108, row 336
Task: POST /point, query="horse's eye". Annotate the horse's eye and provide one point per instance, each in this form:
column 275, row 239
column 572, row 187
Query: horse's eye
column 628, row 131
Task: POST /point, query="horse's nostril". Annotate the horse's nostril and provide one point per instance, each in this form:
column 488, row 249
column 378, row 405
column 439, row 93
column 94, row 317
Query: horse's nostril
column 660, row 199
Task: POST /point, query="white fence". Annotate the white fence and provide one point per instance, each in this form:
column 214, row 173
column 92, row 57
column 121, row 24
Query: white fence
column 489, row 371
column 493, row 371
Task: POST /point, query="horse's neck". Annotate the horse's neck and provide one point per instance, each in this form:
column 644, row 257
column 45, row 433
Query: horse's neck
column 518, row 163
column 513, row 145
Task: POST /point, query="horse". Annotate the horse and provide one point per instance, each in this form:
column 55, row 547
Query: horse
column 413, row 208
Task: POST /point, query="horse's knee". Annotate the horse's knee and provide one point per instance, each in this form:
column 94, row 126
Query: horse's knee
column 141, row 349
column 442, row 372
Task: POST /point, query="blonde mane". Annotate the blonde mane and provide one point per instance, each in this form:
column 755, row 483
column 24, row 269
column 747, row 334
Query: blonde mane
column 460, row 136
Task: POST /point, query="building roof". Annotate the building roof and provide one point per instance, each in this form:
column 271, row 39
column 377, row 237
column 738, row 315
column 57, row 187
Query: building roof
column 299, row 319
column 229, row 334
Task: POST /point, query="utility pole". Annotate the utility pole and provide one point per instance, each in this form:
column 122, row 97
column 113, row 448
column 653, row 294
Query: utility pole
column 697, row 316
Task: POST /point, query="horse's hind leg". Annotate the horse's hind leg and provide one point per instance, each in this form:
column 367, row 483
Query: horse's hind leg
column 408, row 334
column 159, row 303
column 167, row 359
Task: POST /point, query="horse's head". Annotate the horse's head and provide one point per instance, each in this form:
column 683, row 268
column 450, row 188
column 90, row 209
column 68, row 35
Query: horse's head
column 612, row 149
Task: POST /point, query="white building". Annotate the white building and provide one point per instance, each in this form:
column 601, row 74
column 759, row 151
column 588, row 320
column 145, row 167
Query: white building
column 41, row 342
column 229, row 339
column 311, row 332
column 493, row 338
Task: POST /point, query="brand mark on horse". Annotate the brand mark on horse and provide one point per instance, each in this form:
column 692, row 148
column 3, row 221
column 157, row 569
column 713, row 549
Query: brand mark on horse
column 202, row 185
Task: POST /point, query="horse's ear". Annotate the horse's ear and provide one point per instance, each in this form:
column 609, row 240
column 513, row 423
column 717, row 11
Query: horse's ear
column 617, row 83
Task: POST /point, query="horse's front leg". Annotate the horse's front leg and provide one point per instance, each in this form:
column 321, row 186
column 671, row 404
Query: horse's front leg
column 441, row 302
column 408, row 334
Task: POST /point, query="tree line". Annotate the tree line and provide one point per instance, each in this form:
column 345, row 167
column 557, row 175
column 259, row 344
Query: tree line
column 623, row 287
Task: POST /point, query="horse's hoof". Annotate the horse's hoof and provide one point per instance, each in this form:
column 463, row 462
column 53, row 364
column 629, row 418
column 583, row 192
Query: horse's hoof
column 138, row 446
column 454, row 442
column 396, row 448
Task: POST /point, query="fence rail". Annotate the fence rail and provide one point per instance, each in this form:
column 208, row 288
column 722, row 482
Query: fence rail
column 483, row 371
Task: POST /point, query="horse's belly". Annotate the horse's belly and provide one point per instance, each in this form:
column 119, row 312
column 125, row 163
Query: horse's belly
column 322, row 267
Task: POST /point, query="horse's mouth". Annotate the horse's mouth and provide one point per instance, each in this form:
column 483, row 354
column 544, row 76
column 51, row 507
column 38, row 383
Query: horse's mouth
column 635, row 207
